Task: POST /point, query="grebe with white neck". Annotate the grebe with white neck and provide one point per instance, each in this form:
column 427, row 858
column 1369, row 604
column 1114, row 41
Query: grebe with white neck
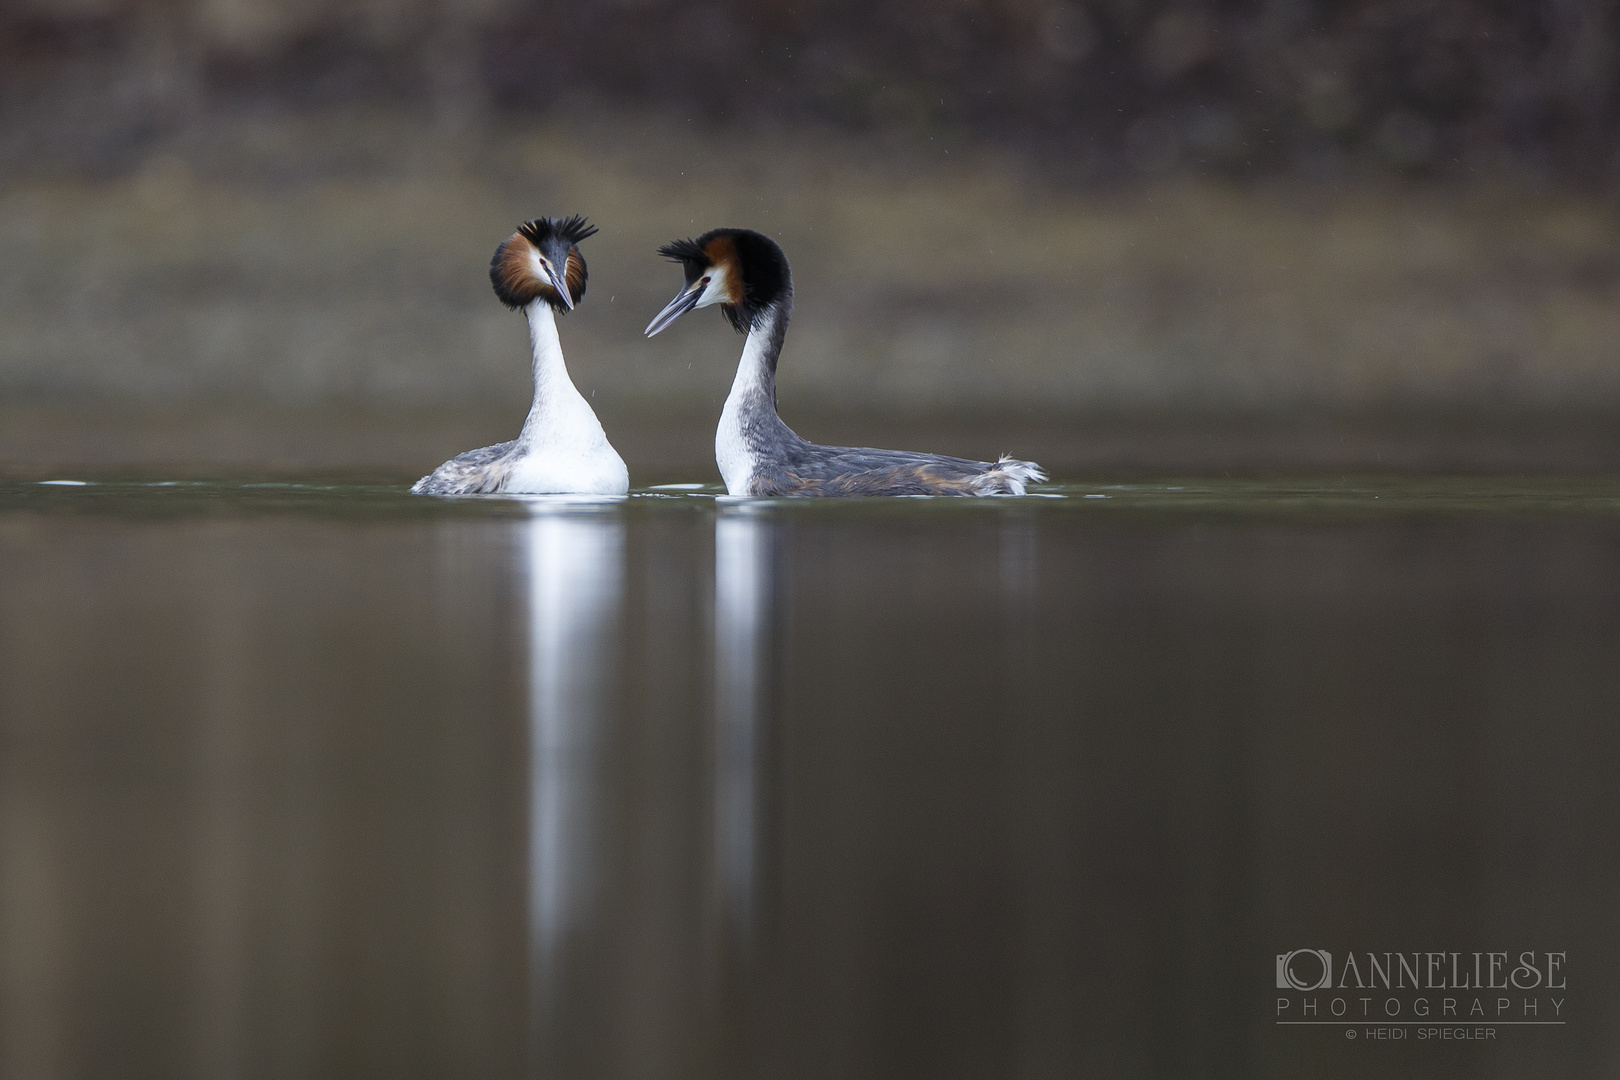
column 562, row 448
column 748, row 276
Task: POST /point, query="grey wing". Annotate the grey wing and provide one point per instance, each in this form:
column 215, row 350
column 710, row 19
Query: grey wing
column 477, row 472
column 846, row 470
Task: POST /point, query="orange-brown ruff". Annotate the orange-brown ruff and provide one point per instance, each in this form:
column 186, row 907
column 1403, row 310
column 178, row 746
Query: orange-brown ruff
column 746, row 274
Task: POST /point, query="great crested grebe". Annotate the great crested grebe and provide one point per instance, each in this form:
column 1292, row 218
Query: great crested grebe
column 747, row 275
column 562, row 448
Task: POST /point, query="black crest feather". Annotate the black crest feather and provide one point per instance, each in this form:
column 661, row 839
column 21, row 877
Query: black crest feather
column 687, row 251
column 570, row 230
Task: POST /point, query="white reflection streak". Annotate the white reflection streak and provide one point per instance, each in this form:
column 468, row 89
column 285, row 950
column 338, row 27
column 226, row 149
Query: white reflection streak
column 576, row 585
column 742, row 585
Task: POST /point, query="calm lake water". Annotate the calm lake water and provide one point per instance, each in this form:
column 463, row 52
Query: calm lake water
column 325, row 780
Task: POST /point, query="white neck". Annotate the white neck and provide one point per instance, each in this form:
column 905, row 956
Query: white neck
column 752, row 391
column 562, row 447
column 754, row 369
column 557, row 404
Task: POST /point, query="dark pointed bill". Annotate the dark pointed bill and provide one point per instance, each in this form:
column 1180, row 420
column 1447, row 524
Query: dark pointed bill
column 560, row 285
column 684, row 301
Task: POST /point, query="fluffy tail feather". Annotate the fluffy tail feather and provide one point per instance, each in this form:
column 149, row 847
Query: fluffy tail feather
column 1008, row 477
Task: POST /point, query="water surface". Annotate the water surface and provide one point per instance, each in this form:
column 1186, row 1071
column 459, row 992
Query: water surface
column 323, row 779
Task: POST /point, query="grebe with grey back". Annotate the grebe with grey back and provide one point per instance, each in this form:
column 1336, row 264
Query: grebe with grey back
column 747, row 274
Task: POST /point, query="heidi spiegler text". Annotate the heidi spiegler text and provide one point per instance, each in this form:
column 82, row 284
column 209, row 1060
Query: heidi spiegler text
column 1396, row 1033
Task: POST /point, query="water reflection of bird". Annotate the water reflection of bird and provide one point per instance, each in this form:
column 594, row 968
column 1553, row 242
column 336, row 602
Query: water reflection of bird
column 748, row 276
column 562, row 447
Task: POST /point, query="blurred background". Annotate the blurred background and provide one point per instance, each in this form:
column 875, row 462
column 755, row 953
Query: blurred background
column 1112, row 235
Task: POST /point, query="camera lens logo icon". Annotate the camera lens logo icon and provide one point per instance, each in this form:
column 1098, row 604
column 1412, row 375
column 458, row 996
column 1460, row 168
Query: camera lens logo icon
column 1305, row 969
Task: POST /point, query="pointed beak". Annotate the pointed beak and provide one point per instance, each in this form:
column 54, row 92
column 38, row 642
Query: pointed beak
column 561, row 287
column 684, row 301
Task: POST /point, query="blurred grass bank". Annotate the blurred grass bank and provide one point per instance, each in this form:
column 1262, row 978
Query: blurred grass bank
column 309, row 291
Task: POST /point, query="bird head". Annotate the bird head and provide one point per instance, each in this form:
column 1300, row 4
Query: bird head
column 743, row 271
column 541, row 261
